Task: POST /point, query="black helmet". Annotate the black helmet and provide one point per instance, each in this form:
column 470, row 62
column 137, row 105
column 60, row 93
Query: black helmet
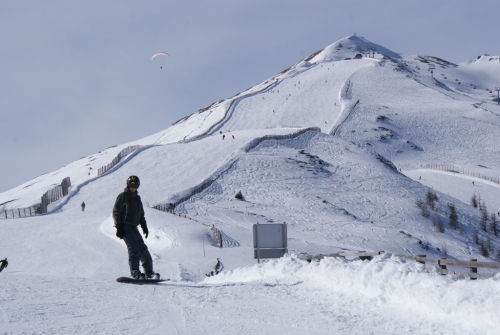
column 133, row 181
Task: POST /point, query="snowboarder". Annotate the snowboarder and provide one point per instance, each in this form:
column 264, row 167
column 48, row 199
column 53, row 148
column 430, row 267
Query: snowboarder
column 218, row 267
column 3, row 264
column 128, row 214
column 83, row 206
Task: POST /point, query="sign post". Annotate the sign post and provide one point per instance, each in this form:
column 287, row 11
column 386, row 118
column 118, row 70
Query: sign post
column 269, row 240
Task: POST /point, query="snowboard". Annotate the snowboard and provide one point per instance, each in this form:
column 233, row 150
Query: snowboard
column 129, row 280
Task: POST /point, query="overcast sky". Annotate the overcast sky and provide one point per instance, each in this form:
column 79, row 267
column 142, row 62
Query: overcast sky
column 76, row 76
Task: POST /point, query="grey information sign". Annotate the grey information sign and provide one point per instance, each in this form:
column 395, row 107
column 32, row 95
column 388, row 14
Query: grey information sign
column 269, row 240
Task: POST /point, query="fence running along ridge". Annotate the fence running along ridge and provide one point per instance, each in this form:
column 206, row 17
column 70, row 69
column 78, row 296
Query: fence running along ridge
column 210, row 180
column 443, row 263
column 55, row 194
column 102, row 170
column 217, row 235
column 258, row 141
column 20, row 212
column 47, row 198
column 204, row 185
column 170, row 209
column 456, row 169
column 233, row 103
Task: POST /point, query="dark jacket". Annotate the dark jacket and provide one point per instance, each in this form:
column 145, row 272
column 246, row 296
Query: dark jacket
column 128, row 209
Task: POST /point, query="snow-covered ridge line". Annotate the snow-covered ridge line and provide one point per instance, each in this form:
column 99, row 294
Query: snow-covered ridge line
column 456, row 169
column 257, row 141
column 52, row 195
column 345, row 97
column 352, row 107
column 79, row 186
column 118, row 158
column 216, row 126
column 185, row 195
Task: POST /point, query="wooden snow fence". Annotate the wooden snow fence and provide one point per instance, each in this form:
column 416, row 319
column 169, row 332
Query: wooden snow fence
column 55, row 194
column 102, row 170
column 47, row 198
column 20, row 212
column 442, row 263
column 456, row 169
column 217, row 235
column 170, row 209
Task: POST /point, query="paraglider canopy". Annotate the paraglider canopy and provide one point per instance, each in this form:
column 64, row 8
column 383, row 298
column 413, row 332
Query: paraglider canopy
column 159, row 54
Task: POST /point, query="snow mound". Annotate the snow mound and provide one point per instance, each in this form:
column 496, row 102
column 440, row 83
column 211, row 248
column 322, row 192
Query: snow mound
column 386, row 281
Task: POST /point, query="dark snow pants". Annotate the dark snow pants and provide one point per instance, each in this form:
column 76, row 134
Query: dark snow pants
column 137, row 249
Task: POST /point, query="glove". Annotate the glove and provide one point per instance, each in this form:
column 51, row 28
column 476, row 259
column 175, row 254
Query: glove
column 145, row 230
column 119, row 231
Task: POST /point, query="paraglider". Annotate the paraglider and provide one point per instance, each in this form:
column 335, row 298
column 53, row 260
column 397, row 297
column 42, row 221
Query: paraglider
column 160, row 54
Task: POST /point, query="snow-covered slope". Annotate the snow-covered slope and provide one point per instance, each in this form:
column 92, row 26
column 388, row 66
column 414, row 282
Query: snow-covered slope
column 388, row 103
column 334, row 147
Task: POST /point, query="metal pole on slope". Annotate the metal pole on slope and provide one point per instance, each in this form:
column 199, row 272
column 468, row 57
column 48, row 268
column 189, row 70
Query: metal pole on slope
column 431, row 68
column 498, row 95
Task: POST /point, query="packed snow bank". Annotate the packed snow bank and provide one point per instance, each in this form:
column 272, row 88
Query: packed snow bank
column 386, row 282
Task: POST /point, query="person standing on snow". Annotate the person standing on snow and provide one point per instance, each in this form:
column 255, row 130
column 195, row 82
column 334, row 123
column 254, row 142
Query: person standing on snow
column 218, row 267
column 83, row 206
column 3, row 264
column 128, row 214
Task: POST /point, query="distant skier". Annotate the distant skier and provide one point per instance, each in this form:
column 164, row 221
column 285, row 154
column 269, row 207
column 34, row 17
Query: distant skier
column 233, row 137
column 218, row 267
column 3, row 264
column 223, row 137
column 83, row 206
column 128, row 214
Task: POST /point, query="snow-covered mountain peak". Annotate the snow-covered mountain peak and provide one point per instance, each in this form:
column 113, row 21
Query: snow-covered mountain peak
column 485, row 61
column 486, row 58
column 352, row 47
